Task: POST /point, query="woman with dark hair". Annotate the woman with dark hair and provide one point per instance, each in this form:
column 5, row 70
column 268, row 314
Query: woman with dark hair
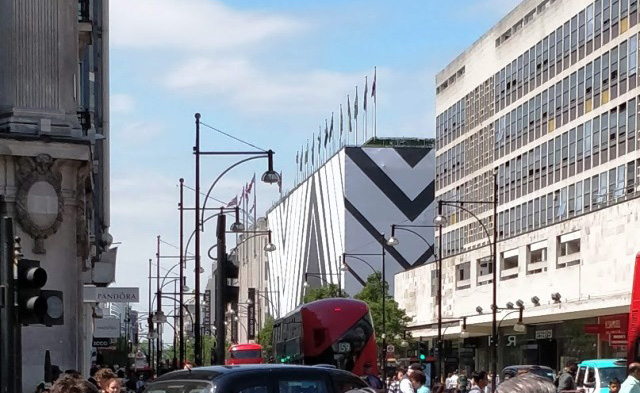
column 418, row 380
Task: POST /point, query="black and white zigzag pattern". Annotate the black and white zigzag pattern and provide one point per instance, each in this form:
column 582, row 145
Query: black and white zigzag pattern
column 342, row 208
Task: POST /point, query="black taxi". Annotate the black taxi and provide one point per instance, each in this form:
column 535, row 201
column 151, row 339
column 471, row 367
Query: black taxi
column 259, row 378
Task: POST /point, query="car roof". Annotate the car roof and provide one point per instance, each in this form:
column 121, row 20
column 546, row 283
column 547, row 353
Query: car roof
column 527, row 366
column 212, row 372
column 604, row 363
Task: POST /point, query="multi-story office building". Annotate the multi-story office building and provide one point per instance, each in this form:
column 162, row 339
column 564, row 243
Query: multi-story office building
column 54, row 160
column 339, row 212
column 547, row 100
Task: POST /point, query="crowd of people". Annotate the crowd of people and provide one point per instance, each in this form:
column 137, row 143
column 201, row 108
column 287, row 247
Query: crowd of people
column 101, row 380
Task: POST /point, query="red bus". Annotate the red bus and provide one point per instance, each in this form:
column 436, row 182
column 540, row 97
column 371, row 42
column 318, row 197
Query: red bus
column 336, row 332
column 244, row 354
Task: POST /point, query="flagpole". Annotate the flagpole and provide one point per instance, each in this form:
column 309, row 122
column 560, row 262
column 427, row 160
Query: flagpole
column 374, row 93
column 364, row 101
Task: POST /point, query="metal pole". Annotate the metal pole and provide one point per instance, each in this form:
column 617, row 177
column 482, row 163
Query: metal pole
column 175, row 331
column 494, row 326
column 10, row 357
column 158, row 304
column 150, row 319
column 221, row 284
column 181, row 328
column 384, row 318
column 439, row 295
column 196, row 325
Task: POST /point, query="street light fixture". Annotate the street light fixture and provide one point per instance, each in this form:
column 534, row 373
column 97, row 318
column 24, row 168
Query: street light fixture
column 269, row 247
column 510, row 306
column 535, row 300
column 393, row 241
column 270, row 176
column 237, row 226
column 479, row 310
column 153, row 335
column 306, row 284
column 159, row 317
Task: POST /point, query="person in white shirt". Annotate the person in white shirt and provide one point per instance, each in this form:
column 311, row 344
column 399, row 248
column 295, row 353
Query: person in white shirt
column 405, row 384
column 453, row 382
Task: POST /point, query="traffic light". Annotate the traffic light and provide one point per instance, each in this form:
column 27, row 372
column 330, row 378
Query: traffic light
column 35, row 305
column 423, row 349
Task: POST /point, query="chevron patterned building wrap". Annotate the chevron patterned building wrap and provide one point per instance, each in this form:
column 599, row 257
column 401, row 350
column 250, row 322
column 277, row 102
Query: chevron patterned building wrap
column 342, row 208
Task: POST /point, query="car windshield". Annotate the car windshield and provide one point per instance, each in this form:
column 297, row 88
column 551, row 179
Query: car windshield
column 543, row 372
column 180, row 387
column 246, row 354
column 609, row 373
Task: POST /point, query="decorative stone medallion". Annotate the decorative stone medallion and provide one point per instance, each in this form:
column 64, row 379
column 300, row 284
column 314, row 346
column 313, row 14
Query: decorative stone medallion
column 39, row 200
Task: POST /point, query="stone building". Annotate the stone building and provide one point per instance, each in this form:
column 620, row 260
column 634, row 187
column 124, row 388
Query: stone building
column 547, row 100
column 54, row 161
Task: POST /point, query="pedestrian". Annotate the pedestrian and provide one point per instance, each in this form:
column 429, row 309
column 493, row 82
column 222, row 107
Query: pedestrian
column 478, row 382
column 614, row 385
column 632, row 383
column 452, row 386
column 566, row 381
column 487, row 389
column 69, row 384
column 395, row 384
column 447, row 382
column 103, row 376
column 526, row 383
column 140, row 385
column 405, row 383
column 463, row 382
column 114, row 385
column 92, row 375
column 372, row 379
column 419, row 381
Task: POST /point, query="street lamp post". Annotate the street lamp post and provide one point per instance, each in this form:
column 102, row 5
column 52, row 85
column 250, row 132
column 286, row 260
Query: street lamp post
column 393, row 241
column 383, row 290
column 270, row 177
column 441, row 220
column 321, row 277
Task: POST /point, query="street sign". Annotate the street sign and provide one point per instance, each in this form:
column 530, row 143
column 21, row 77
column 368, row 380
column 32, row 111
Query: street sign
column 106, row 328
column 544, row 334
column 94, row 294
column 391, row 348
column 103, row 342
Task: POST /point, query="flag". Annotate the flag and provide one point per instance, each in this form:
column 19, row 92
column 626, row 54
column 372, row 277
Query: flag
column 242, row 196
column 326, row 133
column 373, row 86
column 280, row 183
column 364, row 98
column 331, row 128
column 349, row 112
column 301, row 150
column 233, row 202
column 341, row 121
column 306, row 154
column 297, row 157
column 319, row 138
column 247, row 191
column 355, row 105
column 251, row 184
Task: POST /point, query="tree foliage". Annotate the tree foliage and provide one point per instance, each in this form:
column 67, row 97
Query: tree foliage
column 323, row 292
column 396, row 318
column 265, row 338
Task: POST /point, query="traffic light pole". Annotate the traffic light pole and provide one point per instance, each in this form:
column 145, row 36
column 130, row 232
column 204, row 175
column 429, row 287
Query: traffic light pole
column 10, row 339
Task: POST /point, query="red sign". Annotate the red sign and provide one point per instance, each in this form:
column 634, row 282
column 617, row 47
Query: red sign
column 593, row 328
column 614, row 328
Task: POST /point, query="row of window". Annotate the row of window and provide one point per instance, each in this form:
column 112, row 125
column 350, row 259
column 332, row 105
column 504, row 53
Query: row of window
column 567, row 254
column 563, row 203
column 587, row 31
column 577, row 94
column 594, row 143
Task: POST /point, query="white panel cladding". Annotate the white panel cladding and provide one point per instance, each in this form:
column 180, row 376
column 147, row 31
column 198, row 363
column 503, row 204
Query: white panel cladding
column 600, row 282
column 341, row 208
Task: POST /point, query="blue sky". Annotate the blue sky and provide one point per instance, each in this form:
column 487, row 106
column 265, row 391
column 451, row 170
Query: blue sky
column 269, row 72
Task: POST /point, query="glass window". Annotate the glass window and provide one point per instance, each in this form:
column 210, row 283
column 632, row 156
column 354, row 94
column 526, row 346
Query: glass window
column 596, row 75
column 301, row 386
column 633, row 55
column 565, row 147
column 587, row 139
column 578, row 205
column 589, row 22
column 596, row 134
column 619, row 190
column 574, row 33
column 632, row 116
column 604, row 130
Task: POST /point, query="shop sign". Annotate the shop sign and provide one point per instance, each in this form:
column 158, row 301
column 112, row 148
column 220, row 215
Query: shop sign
column 103, row 342
column 618, row 339
column 614, row 328
column 593, row 328
column 544, row 334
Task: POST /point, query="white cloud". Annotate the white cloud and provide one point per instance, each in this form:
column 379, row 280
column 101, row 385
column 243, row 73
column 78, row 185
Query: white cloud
column 256, row 90
column 133, row 133
column 190, row 25
column 122, row 103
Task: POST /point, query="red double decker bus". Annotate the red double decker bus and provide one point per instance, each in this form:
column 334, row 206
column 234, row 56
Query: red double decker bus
column 244, row 354
column 336, row 332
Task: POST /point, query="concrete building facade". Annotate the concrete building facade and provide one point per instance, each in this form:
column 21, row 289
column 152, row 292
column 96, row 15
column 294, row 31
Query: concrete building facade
column 54, row 161
column 343, row 207
column 547, row 100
